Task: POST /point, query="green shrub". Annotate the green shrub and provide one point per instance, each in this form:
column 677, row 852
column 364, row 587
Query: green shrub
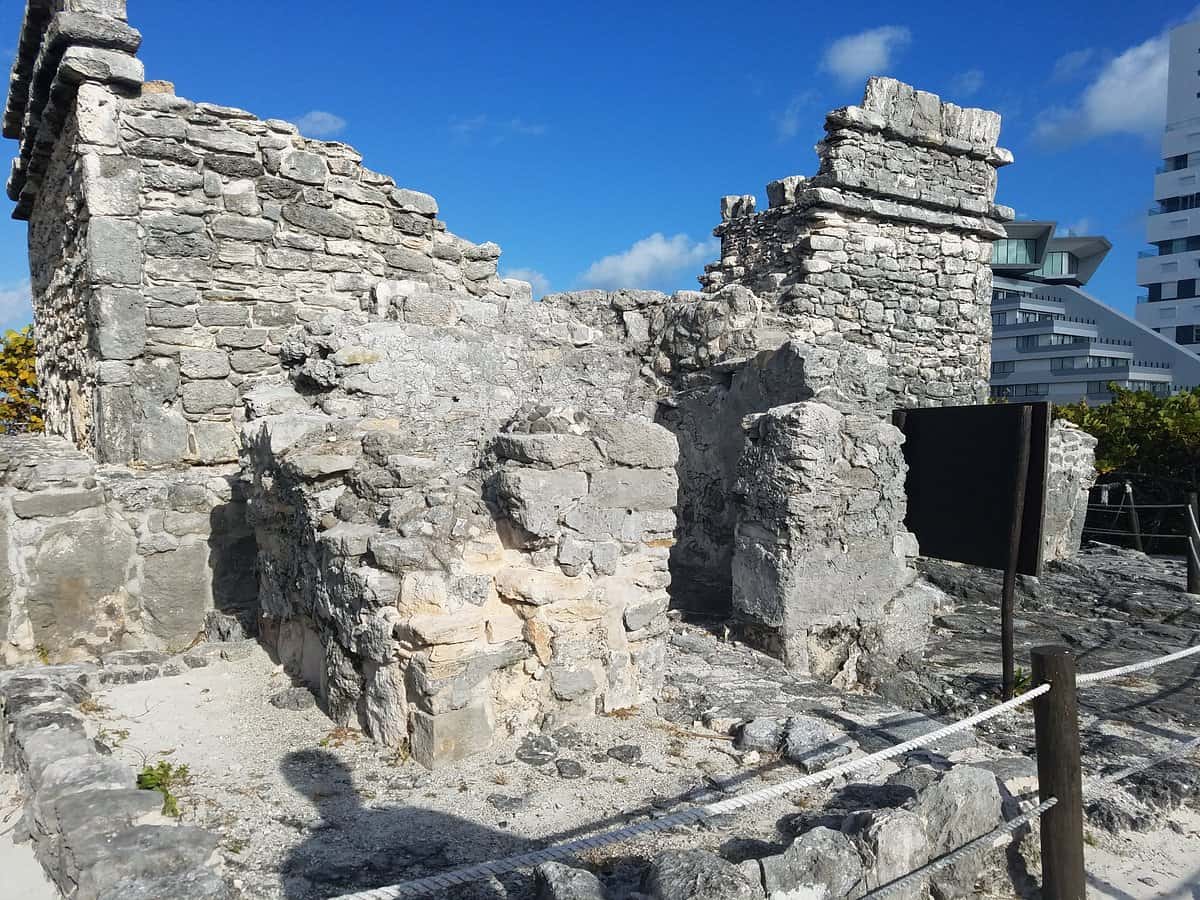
column 165, row 778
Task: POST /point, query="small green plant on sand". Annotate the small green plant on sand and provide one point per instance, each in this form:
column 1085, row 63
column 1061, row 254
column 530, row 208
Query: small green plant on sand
column 166, row 779
column 1022, row 682
column 43, row 654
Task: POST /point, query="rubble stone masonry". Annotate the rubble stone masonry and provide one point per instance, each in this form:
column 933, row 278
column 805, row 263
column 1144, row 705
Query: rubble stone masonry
column 279, row 391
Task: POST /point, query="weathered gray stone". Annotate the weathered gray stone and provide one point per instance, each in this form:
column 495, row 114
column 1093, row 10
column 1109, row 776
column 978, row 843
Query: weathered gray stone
column 439, row 739
column 114, row 250
column 697, row 875
column 558, row 882
column 821, row 861
column 960, row 807
column 635, row 489
column 177, row 592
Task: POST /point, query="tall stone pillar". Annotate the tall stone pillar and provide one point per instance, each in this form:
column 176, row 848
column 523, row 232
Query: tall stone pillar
column 888, row 245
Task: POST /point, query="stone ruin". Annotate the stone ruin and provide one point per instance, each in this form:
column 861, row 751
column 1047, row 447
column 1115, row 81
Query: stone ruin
column 283, row 400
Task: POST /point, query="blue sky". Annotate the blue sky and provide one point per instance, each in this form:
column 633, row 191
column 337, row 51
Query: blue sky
column 592, row 142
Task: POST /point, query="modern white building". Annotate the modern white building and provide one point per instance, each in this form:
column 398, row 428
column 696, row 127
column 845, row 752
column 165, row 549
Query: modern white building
column 1169, row 272
column 1053, row 341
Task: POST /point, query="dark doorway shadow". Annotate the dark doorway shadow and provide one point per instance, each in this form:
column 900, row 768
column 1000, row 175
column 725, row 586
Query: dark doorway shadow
column 233, row 559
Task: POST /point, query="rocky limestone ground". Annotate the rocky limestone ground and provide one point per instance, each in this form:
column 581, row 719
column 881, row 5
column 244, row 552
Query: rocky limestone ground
column 304, row 810
column 308, row 811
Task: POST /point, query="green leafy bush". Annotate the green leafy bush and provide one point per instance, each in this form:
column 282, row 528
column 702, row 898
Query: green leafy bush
column 1149, row 440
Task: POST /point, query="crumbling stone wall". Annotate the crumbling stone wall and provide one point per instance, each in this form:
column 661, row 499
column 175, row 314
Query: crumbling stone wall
column 98, row 558
column 466, row 509
column 195, row 235
column 439, row 552
column 888, row 245
column 1070, row 474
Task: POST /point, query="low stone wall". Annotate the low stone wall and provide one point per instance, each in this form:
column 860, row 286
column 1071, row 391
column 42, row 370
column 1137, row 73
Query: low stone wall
column 96, row 835
column 100, row 558
column 1070, row 474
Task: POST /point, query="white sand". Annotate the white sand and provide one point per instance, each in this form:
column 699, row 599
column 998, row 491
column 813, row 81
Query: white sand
column 1164, row 863
column 21, row 872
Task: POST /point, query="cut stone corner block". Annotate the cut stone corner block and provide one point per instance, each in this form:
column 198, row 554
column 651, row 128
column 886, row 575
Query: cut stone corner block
column 820, row 549
column 435, row 740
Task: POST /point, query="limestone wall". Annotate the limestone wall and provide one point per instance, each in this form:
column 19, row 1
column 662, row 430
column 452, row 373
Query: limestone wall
column 1070, row 474
column 101, row 558
column 194, row 235
column 888, row 245
column 821, row 555
column 464, row 516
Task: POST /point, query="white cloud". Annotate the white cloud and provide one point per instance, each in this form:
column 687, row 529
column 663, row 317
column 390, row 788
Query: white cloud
column 1127, row 96
column 789, row 121
column 320, row 124
column 967, row 83
column 539, row 282
column 467, row 128
column 649, row 261
column 1077, row 228
column 1071, row 64
column 856, row 56
column 16, row 305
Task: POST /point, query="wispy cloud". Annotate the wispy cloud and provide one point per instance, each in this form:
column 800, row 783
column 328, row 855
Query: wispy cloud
column 968, row 83
column 320, row 124
column 1077, row 228
column 854, row 57
column 1127, row 96
column 539, row 282
column 649, row 262
column 1071, row 65
column 791, row 118
column 492, row 129
column 16, row 306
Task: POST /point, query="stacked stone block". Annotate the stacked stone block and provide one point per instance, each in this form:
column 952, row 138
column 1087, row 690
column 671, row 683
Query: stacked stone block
column 1070, row 474
column 821, row 554
column 440, row 555
column 888, row 245
column 99, row 558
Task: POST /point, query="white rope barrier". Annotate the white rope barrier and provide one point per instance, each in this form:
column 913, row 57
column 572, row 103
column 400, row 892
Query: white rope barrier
column 1105, row 674
column 477, row 871
column 990, row 841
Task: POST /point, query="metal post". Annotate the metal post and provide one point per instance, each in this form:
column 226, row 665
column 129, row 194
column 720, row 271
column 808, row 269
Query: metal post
column 1056, row 724
column 1192, row 515
column 1008, row 592
column 1134, row 525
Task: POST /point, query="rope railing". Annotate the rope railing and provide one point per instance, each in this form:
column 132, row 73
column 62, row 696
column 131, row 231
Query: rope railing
column 1106, row 674
column 467, row 874
column 694, row 815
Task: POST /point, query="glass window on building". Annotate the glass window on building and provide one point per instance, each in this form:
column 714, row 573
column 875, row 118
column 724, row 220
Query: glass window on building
column 1003, row 368
column 1001, row 392
column 1014, row 252
column 1186, row 288
column 999, row 318
column 1058, row 263
column 1187, row 334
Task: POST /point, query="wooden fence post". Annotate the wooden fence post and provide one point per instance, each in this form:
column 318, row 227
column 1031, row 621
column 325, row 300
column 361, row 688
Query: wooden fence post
column 1056, row 723
column 1192, row 517
column 1134, row 524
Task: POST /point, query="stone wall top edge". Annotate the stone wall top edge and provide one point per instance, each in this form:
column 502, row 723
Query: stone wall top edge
column 815, row 199
column 889, row 103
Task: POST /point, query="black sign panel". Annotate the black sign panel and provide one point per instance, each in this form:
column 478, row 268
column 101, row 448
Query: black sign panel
column 962, row 469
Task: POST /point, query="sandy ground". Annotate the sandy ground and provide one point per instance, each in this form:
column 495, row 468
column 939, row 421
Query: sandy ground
column 304, row 809
column 21, row 872
column 1163, row 863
